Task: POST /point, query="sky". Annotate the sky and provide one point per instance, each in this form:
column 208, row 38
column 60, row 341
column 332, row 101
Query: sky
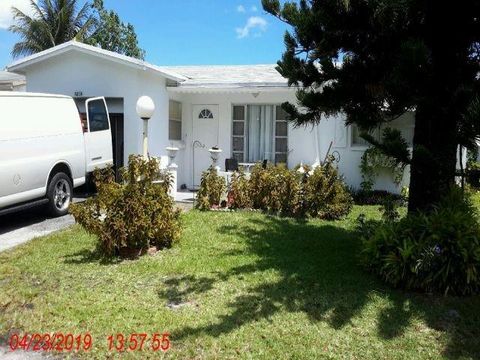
column 185, row 32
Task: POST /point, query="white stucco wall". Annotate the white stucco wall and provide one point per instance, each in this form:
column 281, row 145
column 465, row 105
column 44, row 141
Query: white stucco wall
column 74, row 71
column 301, row 141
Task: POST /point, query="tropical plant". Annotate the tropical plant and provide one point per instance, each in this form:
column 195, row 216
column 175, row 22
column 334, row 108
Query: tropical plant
column 377, row 60
column 212, row 189
column 372, row 162
column 135, row 215
column 57, row 21
column 53, row 22
column 326, row 195
column 239, row 193
column 437, row 251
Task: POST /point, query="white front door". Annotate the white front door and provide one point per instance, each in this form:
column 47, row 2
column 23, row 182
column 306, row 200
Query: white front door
column 205, row 136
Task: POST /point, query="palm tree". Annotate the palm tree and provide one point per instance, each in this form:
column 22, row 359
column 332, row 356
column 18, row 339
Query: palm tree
column 53, row 22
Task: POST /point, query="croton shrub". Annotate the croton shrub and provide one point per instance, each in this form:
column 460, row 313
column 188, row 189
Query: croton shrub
column 136, row 214
column 318, row 192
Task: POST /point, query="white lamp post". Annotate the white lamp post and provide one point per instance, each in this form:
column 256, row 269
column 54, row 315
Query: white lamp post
column 145, row 110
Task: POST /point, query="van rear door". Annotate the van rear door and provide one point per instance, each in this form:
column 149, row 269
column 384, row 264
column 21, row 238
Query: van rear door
column 98, row 138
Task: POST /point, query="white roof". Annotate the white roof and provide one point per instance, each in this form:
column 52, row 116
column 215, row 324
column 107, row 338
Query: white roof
column 10, row 77
column 96, row 51
column 221, row 76
column 184, row 78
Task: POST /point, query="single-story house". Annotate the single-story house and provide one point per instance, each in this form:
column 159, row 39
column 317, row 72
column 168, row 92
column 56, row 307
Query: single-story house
column 236, row 108
column 12, row 82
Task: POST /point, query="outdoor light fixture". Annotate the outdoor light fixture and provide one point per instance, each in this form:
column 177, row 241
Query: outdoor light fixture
column 145, row 109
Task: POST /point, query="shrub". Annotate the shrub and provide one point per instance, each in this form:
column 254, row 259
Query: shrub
column 135, row 215
column 437, row 251
column 326, row 195
column 276, row 189
column 375, row 197
column 239, row 194
column 212, row 189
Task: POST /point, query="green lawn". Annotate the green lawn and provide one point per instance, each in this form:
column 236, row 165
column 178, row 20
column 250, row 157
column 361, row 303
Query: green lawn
column 252, row 286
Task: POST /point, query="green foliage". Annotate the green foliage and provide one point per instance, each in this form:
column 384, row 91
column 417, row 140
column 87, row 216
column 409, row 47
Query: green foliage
column 437, row 251
column 372, row 162
column 137, row 214
column 113, row 34
column 55, row 22
column 239, row 194
column 212, row 190
column 326, row 196
column 275, row 189
column 318, row 193
column 373, row 61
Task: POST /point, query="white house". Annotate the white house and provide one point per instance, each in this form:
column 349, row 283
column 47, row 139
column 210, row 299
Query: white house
column 236, row 108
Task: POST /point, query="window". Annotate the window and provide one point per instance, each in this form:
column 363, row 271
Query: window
column 259, row 132
column 175, row 120
column 97, row 116
column 205, row 114
column 281, row 135
column 405, row 124
column 356, row 139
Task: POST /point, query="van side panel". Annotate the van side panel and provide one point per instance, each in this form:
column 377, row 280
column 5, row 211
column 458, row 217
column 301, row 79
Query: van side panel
column 36, row 133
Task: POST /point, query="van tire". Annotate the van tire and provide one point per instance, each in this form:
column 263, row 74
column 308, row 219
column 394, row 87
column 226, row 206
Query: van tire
column 59, row 194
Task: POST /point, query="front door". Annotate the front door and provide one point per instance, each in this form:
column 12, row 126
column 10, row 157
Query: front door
column 205, row 136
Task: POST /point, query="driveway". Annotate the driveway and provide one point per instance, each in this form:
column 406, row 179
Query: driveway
column 20, row 227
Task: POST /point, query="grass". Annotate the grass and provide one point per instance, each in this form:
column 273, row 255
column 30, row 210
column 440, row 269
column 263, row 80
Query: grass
column 253, row 286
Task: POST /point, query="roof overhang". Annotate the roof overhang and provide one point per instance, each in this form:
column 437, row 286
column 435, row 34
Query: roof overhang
column 229, row 89
column 21, row 65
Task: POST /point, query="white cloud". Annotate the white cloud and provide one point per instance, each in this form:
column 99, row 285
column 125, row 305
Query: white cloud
column 241, row 9
column 6, row 18
column 254, row 8
column 253, row 23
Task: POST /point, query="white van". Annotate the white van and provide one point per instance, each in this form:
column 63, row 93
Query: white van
column 46, row 150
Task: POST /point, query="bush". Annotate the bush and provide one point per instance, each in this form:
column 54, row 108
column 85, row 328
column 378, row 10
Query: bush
column 376, row 197
column 239, row 194
column 433, row 252
column 276, row 189
column 135, row 215
column 326, row 195
column 212, row 189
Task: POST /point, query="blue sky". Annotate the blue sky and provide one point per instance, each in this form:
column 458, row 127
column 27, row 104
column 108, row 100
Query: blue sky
column 188, row 32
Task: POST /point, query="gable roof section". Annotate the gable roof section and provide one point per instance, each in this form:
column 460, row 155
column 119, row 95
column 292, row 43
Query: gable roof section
column 21, row 64
column 230, row 76
column 180, row 78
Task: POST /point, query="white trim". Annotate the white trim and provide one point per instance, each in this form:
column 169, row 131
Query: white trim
column 207, row 89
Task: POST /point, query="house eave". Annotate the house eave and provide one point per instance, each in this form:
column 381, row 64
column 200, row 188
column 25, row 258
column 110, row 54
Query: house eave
column 228, row 89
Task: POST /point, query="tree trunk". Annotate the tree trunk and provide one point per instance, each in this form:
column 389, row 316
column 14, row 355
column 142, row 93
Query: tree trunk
column 432, row 172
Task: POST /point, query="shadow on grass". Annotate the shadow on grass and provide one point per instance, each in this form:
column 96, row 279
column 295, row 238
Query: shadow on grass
column 86, row 256
column 319, row 276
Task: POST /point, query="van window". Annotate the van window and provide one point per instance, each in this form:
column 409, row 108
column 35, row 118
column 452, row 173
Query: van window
column 97, row 116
